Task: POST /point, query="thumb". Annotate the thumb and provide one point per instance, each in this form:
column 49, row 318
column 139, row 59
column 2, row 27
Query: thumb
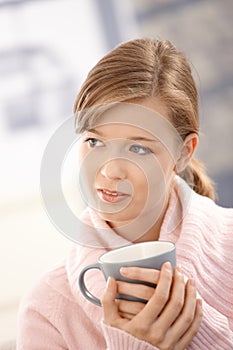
column 109, row 303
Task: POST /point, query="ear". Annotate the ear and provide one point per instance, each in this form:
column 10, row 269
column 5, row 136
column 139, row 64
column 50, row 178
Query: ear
column 188, row 148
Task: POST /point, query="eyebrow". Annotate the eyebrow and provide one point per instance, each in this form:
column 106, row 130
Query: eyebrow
column 135, row 138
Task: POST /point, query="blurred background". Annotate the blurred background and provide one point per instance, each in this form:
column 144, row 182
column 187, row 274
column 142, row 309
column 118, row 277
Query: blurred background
column 46, row 49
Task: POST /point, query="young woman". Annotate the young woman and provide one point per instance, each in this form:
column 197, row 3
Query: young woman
column 137, row 117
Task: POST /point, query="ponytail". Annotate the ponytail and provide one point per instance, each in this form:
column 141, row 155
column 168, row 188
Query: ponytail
column 196, row 177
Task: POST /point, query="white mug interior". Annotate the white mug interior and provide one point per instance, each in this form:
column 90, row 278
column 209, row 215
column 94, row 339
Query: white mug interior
column 137, row 252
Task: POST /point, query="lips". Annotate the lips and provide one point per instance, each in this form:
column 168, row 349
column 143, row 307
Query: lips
column 111, row 196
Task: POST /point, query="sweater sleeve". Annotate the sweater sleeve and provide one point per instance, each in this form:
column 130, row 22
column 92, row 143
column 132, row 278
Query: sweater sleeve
column 35, row 331
column 117, row 339
column 214, row 333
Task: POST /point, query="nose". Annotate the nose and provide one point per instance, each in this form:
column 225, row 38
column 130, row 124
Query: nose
column 114, row 169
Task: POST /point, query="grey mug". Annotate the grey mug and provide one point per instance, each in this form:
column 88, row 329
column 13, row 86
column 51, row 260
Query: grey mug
column 150, row 255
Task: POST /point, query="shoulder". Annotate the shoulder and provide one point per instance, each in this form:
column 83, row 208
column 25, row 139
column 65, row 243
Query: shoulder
column 50, row 292
column 191, row 212
column 57, row 290
column 206, row 228
column 207, row 232
column 212, row 214
column 51, row 314
column 194, row 203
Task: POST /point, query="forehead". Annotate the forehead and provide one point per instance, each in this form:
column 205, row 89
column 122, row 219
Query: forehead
column 133, row 118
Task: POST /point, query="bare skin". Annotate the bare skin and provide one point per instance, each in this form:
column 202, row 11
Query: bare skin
column 170, row 319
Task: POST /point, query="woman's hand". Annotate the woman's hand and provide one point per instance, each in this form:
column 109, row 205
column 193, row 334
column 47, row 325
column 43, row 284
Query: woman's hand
column 172, row 315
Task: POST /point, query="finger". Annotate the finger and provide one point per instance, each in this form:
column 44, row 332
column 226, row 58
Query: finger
column 160, row 297
column 175, row 304
column 126, row 316
column 136, row 290
column 129, row 307
column 109, row 304
column 186, row 317
column 141, row 274
column 193, row 329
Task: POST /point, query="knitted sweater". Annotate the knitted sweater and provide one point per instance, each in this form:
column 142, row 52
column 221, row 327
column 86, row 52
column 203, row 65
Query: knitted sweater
column 55, row 315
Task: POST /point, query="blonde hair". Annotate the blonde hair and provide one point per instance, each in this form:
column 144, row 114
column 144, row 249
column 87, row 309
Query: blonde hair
column 143, row 68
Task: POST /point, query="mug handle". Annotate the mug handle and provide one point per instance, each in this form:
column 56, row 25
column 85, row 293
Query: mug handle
column 83, row 287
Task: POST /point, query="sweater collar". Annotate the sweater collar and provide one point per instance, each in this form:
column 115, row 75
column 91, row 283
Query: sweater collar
column 178, row 209
column 82, row 256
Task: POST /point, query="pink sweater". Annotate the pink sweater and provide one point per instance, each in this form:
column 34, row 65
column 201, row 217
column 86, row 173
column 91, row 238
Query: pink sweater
column 55, row 315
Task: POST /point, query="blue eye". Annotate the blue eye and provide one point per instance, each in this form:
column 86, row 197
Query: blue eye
column 92, row 142
column 140, row 149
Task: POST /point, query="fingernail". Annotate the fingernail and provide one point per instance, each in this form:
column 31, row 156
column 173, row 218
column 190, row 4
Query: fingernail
column 192, row 282
column 108, row 282
column 124, row 270
column 168, row 266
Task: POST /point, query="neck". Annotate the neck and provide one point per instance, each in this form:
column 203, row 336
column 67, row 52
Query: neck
column 143, row 229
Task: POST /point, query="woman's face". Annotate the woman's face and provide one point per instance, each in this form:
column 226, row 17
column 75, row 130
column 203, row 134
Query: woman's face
column 126, row 170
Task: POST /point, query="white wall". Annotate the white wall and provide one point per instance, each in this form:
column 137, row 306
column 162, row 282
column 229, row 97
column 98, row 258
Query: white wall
column 46, row 50
column 29, row 246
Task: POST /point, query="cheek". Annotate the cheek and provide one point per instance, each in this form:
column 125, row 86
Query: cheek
column 82, row 151
column 85, row 161
column 152, row 184
column 143, row 182
column 167, row 164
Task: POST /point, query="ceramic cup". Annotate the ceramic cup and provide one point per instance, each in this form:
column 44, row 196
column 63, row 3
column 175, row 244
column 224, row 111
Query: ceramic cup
column 150, row 255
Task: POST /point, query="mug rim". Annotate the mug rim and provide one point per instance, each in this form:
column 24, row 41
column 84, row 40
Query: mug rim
column 133, row 244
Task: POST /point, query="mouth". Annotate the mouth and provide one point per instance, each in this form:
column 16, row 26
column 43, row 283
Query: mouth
column 111, row 196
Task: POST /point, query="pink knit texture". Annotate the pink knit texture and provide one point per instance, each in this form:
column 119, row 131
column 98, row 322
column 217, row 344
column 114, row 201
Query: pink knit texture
column 55, row 315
